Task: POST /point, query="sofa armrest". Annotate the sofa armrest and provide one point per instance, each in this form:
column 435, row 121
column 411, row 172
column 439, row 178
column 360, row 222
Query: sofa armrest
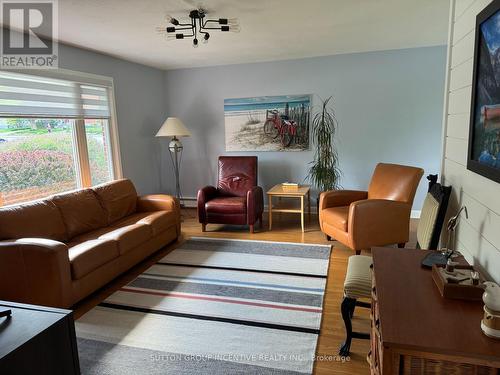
column 160, row 202
column 255, row 204
column 378, row 222
column 204, row 195
column 336, row 198
column 157, row 202
column 36, row 271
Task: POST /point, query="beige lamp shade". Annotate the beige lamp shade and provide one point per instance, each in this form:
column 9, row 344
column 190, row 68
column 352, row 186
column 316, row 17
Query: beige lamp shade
column 173, row 127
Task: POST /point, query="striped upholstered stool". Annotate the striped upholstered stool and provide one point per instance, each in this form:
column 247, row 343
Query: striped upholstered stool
column 357, row 284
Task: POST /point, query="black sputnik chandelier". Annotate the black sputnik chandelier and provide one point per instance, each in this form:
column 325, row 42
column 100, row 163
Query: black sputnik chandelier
column 198, row 27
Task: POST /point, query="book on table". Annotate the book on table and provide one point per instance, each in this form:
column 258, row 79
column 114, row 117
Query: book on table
column 289, row 186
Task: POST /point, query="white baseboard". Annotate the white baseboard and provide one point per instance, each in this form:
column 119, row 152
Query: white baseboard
column 190, row 202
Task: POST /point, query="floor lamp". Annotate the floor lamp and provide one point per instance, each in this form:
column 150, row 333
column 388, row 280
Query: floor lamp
column 173, row 127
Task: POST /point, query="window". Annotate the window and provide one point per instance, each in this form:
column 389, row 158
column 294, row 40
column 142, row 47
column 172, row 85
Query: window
column 55, row 135
column 101, row 165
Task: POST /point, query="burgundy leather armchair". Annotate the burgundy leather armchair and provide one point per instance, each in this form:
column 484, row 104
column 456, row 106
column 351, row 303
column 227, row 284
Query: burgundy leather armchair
column 237, row 199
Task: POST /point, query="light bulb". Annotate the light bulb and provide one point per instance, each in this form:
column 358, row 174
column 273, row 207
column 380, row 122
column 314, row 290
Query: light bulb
column 195, row 43
column 171, row 20
column 175, row 36
column 235, row 29
column 205, row 38
column 161, row 29
column 228, row 21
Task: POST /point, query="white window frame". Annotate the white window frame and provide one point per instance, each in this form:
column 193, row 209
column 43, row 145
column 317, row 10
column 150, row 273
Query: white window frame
column 82, row 165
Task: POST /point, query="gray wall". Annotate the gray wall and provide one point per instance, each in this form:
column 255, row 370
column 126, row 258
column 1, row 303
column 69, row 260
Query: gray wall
column 389, row 106
column 140, row 106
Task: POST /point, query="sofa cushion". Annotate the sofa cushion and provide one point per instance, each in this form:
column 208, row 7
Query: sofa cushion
column 39, row 219
column 159, row 221
column 81, row 211
column 90, row 255
column 129, row 236
column 227, row 205
column 118, row 198
column 92, row 235
column 337, row 217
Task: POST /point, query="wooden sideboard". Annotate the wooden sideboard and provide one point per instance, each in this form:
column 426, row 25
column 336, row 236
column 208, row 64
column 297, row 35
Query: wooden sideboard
column 415, row 330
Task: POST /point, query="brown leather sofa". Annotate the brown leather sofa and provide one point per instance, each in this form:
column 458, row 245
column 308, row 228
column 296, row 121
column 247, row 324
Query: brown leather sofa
column 237, row 199
column 56, row 251
column 377, row 217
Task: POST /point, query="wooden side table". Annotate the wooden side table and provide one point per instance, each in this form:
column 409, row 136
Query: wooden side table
column 300, row 193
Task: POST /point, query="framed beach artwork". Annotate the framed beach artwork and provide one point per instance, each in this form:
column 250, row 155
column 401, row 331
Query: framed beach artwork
column 268, row 123
column 484, row 136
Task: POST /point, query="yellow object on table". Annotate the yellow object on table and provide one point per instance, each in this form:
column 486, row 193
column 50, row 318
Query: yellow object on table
column 289, row 186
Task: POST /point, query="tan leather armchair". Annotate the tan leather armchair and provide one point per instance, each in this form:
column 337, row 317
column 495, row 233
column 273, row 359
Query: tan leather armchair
column 377, row 217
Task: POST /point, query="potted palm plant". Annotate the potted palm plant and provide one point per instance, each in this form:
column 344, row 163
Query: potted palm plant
column 324, row 172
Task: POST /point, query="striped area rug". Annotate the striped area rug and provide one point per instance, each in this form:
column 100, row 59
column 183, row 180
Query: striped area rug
column 212, row 306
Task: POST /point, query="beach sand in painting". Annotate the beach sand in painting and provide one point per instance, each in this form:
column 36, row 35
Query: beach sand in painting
column 244, row 133
column 245, row 119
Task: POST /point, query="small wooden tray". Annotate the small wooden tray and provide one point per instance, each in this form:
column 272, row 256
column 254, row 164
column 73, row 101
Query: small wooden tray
column 463, row 290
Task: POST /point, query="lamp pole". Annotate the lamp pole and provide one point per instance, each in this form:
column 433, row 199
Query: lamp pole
column 175, row 148
column 174, row 128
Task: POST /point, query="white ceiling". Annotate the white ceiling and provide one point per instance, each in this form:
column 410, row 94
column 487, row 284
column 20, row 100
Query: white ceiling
column 270, row 29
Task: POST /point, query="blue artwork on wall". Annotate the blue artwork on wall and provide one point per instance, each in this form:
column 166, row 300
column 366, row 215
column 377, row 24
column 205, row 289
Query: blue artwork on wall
column 484, row 139
column 268, row 123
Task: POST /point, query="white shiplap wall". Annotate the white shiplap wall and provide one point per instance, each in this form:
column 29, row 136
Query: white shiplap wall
column 479, row 236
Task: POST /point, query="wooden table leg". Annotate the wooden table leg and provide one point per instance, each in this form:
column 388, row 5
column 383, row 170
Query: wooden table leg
column 302, row 213
column 309, row 204
column 270, row 209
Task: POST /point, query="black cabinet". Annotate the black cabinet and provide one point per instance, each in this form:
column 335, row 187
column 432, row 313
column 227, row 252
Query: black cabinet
column 37, row 340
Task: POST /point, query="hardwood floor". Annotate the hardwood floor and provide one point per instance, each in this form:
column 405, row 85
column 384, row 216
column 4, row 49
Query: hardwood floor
column 286, row 228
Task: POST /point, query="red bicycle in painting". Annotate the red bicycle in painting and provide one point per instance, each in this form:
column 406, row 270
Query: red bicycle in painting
column 280, row 125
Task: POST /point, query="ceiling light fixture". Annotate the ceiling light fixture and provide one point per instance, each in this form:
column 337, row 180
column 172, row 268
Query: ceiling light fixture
column 198, row 25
